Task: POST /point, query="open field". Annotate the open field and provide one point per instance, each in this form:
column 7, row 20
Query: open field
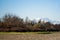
column 29, row 36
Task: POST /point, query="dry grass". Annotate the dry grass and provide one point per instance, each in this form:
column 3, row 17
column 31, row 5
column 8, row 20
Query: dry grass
column 31, row 36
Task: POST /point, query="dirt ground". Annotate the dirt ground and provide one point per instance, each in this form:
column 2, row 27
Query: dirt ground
column 54, row 36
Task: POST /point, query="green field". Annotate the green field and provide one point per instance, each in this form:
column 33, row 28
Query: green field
column 29, row 35
column 25, row 32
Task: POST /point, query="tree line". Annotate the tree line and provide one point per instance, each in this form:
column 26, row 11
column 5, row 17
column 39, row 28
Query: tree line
column 12, row 23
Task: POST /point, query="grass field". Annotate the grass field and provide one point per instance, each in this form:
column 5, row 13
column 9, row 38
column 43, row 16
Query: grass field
column 25, row 32
column 29, row 36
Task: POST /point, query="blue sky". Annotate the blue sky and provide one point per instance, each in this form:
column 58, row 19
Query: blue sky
column 34, row 9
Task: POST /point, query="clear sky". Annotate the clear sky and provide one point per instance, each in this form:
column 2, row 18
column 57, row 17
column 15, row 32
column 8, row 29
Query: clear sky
column 34, row 9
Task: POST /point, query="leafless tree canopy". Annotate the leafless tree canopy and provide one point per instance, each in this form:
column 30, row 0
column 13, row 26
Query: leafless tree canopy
column 13, row 23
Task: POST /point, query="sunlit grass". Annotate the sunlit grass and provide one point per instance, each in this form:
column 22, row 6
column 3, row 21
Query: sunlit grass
column 25, row 32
